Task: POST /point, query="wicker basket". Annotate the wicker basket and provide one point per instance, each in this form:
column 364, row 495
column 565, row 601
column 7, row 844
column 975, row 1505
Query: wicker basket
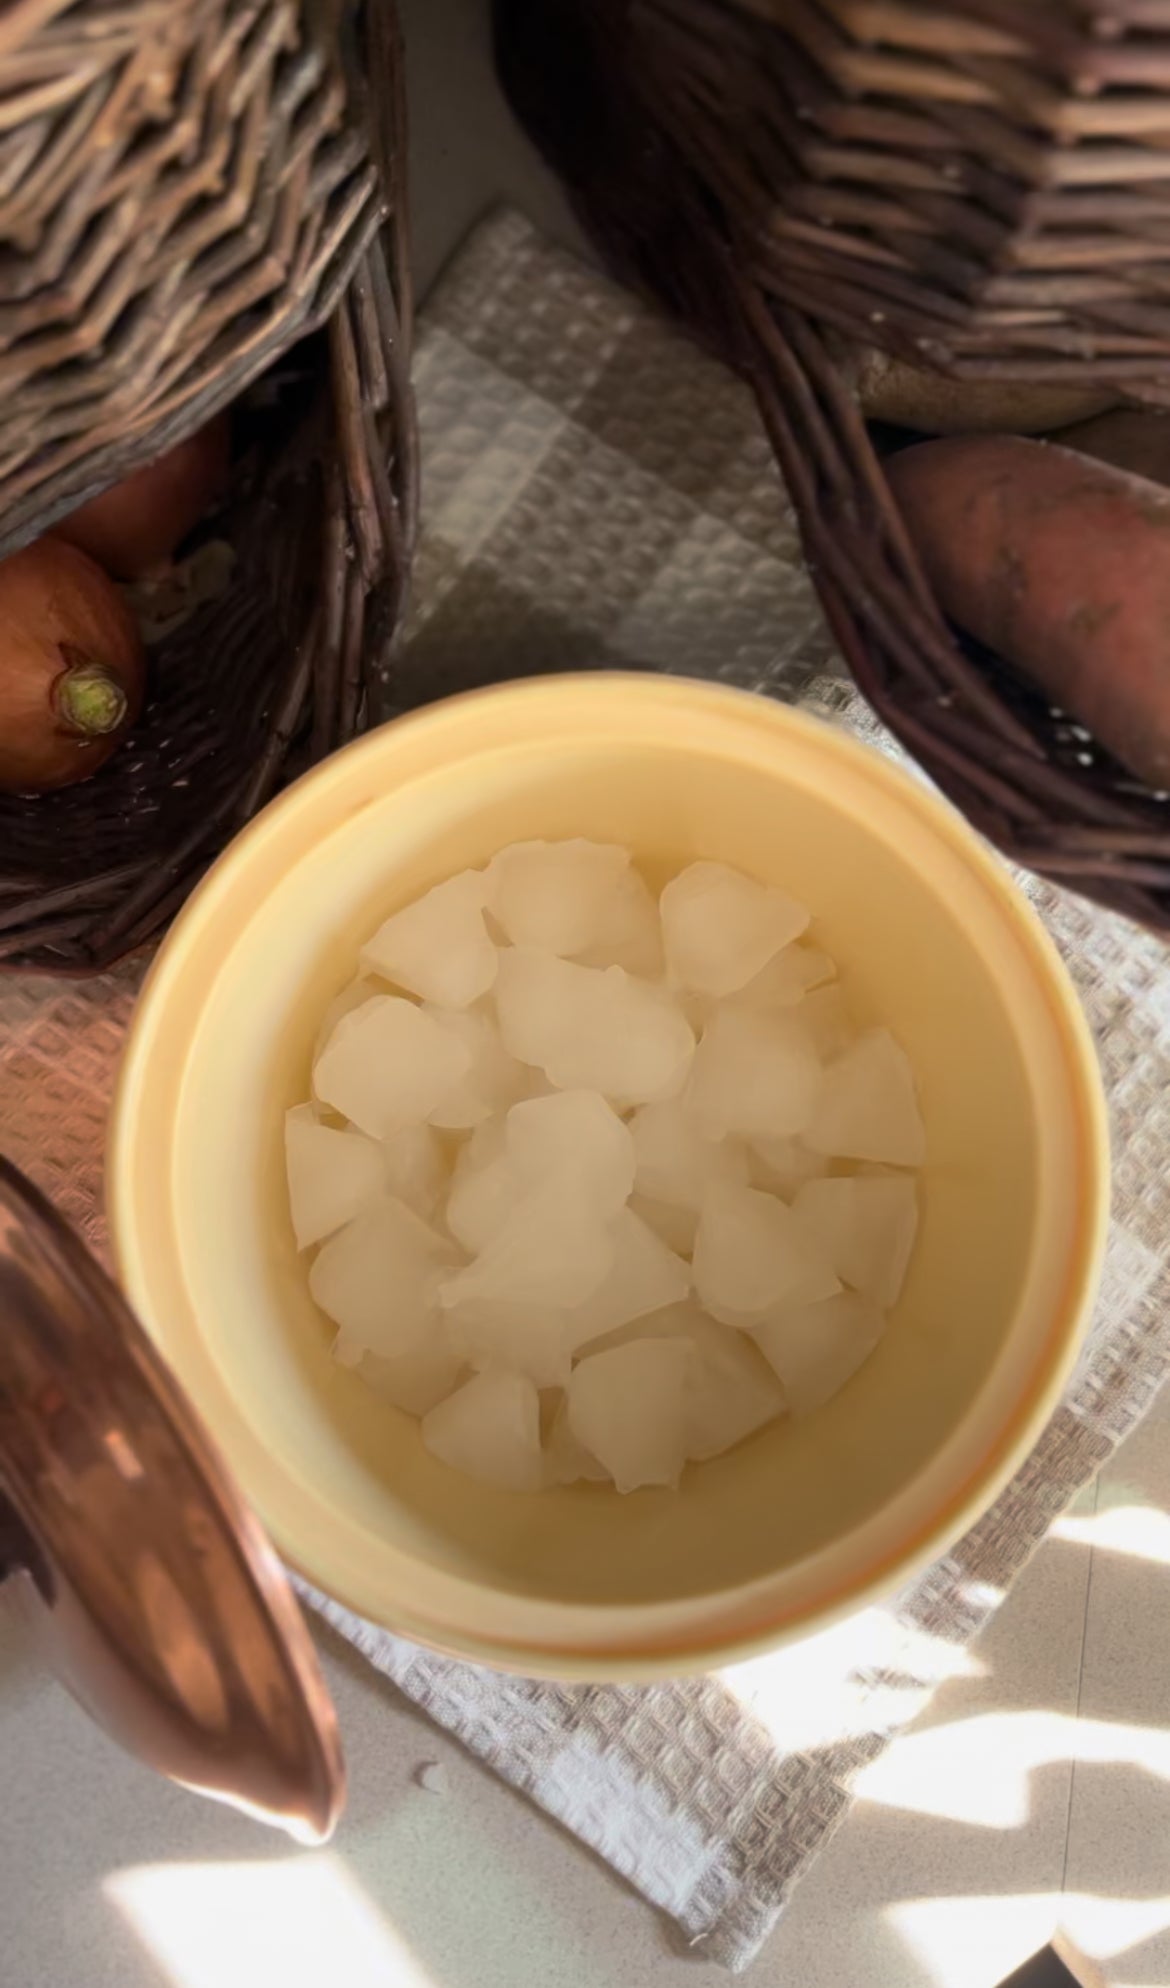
column 981, row 187
column 188, row 189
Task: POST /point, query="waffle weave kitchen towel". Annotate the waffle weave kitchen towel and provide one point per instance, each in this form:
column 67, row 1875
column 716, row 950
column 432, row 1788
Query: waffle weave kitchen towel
column 595, row 493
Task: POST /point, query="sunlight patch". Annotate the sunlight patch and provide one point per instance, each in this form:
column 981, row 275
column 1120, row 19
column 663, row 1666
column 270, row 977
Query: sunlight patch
column 977, row 1770
column 300, row 1921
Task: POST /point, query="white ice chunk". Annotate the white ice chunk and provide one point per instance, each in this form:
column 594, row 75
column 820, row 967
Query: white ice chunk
column 752, row 1254
column 573, row 1137
column 592, row 1030
column 438, row 947
column 866, row 1226
column 781, row 1166
column 485, row 1189
column 416, row 1381
column 676, row 1160
column 675, row 1226
column 629, row 1408
column 490, row 1430
column 387, row 1064
column 720, row 927
column 552, row 1251
column 629, row 931
column 378, row 1280
column 867, row 1108
column 789, row 975
column 824, row 1013
column 557, row 895
column 815, row 1349
column 731, row 1391
column 569, row 1140
column 332, row 1175
column 525, row 1338
column 645, row 1275
column 354, row 995
column 566, row 1460
column 416, row 1168
column 493, row 1079
column 755, row 1075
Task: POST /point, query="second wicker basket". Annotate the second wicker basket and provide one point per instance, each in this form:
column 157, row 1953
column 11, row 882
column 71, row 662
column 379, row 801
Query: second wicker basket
column 979, row 188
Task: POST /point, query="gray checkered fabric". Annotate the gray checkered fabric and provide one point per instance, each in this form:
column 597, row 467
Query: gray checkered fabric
column 596, row 493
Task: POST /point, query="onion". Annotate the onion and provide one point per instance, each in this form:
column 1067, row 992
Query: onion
column 133, row 528
column 72, row 668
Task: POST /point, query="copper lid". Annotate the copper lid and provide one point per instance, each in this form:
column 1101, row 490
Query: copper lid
column 160, row 1601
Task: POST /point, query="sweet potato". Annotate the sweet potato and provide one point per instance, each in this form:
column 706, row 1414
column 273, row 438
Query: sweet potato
column 1060, row 564
column 1132, row 438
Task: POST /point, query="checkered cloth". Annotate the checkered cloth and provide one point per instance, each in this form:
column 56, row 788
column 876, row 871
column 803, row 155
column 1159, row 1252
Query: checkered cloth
column 596, row 492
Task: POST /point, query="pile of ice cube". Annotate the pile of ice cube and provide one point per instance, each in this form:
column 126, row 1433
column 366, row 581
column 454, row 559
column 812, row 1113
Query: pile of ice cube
column 599, row 1185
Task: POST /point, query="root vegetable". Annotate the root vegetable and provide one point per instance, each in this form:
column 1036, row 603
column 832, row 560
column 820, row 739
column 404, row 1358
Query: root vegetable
column 133, row 527
column 1060, row 564
column 72, row 668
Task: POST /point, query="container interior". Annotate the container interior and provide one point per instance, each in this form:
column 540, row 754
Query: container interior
column 926, row 943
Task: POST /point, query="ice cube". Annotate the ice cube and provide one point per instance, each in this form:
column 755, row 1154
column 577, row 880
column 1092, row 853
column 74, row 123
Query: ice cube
column 493, row 1080
column 354, row 995
column 490, row 1430
column 551, row 1251
column 824, row 1014
column 332, row 1175
column 867, row 1109
column 676, row 1161
column 568, row 1139
column 866, row 1226
column 720, row 927
column 378, row 1280
column 566, row 1460
column 644, row 1276
column 674, row 1226
column 755, row 1075
column 789, row 975
column 592, row 1030
column 416, row 1168
column 731, row 1391
column 629, row 1409
column 629, row 931
column 815, row 1349
column 575, row 1138
column 781, row 1166
column 387, row 1064
column 485, row 1188
column 698, row 1008
column 416, row 1381
column 524, row 1338
column 438, row 947
column 751, row 1254
column 559, row 896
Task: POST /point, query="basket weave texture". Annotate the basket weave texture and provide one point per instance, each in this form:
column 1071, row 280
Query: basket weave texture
column 985, row 181
column 981, row 187
column 187, row 189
